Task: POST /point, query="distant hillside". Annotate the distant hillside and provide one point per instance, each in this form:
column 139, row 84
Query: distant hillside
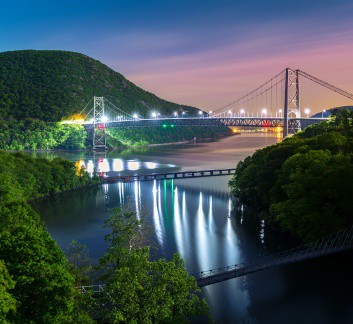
column 328, row 112
column 51, row 85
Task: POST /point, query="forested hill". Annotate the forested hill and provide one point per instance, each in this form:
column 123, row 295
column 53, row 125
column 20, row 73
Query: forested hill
column 52, row 85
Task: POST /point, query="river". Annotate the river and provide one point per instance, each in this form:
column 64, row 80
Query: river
column 196, row 217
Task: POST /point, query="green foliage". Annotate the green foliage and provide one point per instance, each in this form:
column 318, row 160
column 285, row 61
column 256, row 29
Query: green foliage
column 7, row 301
column 79, row 263
column 40, row 88
column 43, row 287
column 34, row 134
column 304, row 183
column 51, row 85
column 35, row 283
column 144, row 291
column 154, row 135
column 25, row 178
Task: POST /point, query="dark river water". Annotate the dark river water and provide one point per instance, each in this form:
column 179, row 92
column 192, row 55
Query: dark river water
column 196, row 218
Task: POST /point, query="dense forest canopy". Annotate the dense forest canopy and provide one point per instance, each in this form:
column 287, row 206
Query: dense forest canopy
column 51, row 85
column 304, row 183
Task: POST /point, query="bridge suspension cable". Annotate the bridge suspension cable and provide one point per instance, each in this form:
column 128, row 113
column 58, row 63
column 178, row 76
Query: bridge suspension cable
column 264, row 100
column 326, row 84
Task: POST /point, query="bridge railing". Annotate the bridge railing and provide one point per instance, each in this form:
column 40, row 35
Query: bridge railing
column 336, row 242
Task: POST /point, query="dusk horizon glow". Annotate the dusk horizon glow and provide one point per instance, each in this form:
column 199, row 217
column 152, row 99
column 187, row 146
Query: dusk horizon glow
column 205, row 53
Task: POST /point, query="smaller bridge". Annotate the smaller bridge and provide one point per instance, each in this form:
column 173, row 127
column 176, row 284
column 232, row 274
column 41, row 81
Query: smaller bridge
column 334, row 243
column 111, row 178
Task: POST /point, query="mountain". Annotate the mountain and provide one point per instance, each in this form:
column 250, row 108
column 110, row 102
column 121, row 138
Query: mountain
column 52, row 85
column 328, row 112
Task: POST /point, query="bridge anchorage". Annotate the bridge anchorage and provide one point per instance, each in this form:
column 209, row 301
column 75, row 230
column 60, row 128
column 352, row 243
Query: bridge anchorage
column 275, row 103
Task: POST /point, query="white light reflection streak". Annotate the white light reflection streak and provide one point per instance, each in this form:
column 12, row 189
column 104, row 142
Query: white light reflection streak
column 177, row 225
column 136, row 191
column 157, row 224
column 90, row 166
column 202, row 249
column 231, row 249
column 210, row 213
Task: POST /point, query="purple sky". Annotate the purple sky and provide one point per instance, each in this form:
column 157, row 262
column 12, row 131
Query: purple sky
column 202, row 53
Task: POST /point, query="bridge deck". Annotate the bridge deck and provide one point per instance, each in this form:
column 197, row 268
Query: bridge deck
column 169, row 175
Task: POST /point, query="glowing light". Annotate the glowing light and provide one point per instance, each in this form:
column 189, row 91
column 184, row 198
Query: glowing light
column 79, row 166
column 151, row 165
column 135, row 116
column 307, row 112
column 154, row 115
column 200, row 112
column 229, row 112
column 118, row 165
column 175, row 114
column 90, row 166
column 242, row 111
column 103, row 165
column 133, row 165
column 264, row 111
column 104, row 119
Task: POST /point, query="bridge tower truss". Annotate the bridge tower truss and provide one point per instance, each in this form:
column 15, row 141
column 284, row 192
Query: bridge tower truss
column 99, row 135
column 291, row 102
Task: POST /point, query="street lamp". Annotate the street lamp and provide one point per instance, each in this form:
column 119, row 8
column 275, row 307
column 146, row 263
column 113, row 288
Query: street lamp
column 183, row 113
column 229, row 112
column 264, row 111
column 154, row 114
column 307, row 112
column 135, row 116
column 175, row 114
column 322, row 115
column 104, row 119
column 242, row 112
column 200, row 112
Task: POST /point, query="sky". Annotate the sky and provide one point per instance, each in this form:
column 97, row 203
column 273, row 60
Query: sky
column 201, row 53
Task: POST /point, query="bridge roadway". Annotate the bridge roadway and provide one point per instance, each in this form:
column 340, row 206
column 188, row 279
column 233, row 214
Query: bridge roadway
column 208, row 121
column 106, row 178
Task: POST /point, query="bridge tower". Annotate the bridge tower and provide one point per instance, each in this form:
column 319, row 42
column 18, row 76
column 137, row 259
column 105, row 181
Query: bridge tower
column 99, row 135
column 291, row 102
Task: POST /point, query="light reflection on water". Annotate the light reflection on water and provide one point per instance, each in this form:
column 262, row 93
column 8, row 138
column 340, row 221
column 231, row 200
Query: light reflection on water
column 103, row 165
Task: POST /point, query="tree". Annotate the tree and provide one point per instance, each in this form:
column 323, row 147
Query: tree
column 7, row 301
column 144, row 291
column 44, row 289
column 79, row 263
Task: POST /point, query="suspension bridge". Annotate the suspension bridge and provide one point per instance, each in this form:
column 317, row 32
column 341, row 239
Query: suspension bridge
column 275, row 103
column 335, row 243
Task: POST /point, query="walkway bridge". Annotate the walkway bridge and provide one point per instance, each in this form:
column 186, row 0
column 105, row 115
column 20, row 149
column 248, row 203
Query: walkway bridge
column 275, row 103
column 334, row 243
